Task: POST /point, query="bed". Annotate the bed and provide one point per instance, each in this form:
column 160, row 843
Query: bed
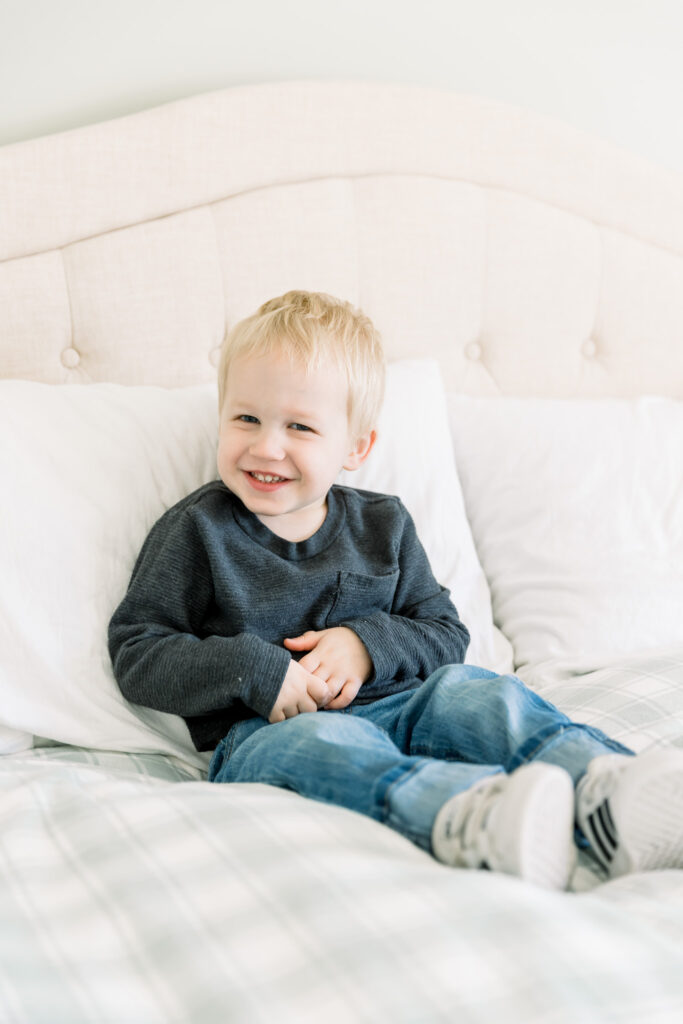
column 528, row 283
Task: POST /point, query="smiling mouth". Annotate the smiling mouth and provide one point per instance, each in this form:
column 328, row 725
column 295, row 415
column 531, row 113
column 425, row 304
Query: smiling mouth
column 265, row 482
column 267, row 478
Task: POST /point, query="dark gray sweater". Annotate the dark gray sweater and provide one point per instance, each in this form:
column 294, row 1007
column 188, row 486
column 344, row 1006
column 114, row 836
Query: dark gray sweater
column 214, row 593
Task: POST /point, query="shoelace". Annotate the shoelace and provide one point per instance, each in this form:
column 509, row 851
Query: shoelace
column 596, row 787
column 468, row 827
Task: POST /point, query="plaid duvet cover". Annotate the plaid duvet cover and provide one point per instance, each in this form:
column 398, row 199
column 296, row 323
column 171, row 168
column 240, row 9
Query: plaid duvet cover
column 131, row 893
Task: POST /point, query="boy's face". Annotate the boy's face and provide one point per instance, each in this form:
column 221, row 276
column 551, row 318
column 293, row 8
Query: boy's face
column 283, row 438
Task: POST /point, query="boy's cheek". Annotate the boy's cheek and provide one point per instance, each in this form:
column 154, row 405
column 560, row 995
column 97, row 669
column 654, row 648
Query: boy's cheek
column 225, row 458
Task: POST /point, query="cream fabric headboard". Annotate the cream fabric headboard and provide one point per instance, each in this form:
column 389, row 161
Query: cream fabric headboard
column 526, row 257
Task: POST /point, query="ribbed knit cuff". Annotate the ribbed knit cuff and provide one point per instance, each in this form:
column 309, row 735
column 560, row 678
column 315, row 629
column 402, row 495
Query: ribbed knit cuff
column 378, row 645
column 260, row 675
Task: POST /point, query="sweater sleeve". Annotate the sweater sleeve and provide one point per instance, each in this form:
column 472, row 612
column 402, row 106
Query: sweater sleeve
column 161, row 655
column 422, row 632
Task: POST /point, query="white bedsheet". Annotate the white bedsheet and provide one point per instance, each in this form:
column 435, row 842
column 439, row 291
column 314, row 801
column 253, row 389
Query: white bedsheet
column 131, row 894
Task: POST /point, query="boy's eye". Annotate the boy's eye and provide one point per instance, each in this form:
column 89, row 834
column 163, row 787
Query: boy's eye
column 245, row 418
column 299, row 426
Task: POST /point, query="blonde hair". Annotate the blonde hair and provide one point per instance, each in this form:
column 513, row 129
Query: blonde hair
column 310, row 327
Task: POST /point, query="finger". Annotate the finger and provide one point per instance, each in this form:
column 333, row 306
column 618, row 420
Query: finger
column 337, row 703
column 305, row 642
column 307, row 704
column 318, row 691
column 345, row 696
column 276, row 716
column 310, row 662
column 335, row 685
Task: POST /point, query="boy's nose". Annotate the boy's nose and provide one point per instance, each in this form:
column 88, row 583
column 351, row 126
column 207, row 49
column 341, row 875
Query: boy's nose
column 267, row 445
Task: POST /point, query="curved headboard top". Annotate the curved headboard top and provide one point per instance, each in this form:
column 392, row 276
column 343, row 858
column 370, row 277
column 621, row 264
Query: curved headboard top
column 526, row 256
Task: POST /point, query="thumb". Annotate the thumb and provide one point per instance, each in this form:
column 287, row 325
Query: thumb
column 305, row 642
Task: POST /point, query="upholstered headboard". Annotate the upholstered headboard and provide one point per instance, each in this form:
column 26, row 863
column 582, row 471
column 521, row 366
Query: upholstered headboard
column 528, row 258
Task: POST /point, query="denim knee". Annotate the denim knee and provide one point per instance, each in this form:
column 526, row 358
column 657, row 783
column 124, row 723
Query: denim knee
column 258, row 750
column 328, row 756
column 320, row 729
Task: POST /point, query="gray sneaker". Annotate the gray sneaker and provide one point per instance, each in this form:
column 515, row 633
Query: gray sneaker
column 631, row 811
column 520, row 824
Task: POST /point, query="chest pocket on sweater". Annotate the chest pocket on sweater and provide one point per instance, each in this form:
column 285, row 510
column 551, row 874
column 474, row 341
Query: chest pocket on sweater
column 359, row 595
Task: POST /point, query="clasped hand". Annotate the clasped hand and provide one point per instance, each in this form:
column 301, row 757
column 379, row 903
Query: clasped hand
column 329, row 675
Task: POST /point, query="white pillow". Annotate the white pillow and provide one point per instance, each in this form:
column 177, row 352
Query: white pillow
column 85, row 471
column 577, row 512
column 413, row 457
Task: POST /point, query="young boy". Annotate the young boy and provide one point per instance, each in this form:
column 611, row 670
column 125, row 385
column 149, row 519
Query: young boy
column 297, row 627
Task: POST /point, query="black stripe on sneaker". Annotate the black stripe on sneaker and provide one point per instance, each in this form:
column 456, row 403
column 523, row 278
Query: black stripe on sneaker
column 607, row 823
column 599, row 840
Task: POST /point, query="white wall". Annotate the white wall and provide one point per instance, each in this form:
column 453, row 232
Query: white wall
column 611, row 67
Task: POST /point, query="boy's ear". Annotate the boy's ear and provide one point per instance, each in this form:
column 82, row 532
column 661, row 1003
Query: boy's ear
column 361, row 450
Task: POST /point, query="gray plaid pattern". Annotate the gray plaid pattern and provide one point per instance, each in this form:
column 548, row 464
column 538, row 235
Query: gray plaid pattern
column 155, row 766
column 638, row 702
column 132, row 899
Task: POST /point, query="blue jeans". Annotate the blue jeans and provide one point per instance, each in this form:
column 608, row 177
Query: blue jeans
column 400, row 758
